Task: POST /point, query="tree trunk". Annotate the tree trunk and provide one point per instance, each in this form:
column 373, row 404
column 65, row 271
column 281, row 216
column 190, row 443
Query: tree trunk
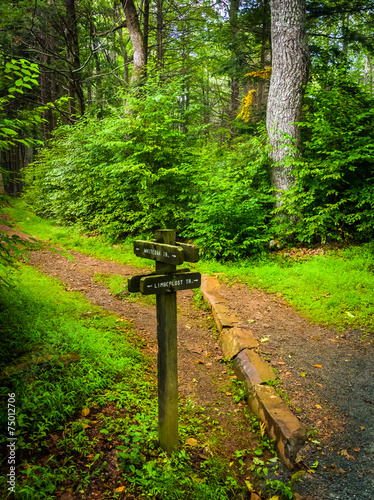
column 72, row 45
column 234, row 97
column 159, row 35
column 290, row 63
column 137, row 39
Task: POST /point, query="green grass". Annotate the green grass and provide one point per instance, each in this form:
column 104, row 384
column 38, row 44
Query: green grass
column 38, row 315
column 71, row 238
column 336, row 289
column 117, row 284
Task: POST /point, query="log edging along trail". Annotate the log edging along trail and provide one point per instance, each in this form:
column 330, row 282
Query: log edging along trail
column 239, row 346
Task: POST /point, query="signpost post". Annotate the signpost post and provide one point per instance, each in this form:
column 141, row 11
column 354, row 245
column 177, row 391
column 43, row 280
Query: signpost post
column 164, row 283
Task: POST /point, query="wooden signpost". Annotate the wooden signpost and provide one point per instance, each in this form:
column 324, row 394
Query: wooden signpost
column 164, row 283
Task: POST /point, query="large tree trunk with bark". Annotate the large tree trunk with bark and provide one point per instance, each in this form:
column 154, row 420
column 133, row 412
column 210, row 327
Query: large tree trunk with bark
column 137, row 40
column 290, row 63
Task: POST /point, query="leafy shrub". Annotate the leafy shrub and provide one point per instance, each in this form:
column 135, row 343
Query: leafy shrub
column 333, row 197
column 129, row 172
column 232, row 212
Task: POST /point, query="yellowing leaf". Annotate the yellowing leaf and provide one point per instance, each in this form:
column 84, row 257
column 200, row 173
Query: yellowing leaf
column 262, row 428
column 191, row 442
column 303, row 374
column 249, row 486
column 85, row 412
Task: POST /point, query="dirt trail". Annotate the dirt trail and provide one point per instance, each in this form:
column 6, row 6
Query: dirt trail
column 335, row 397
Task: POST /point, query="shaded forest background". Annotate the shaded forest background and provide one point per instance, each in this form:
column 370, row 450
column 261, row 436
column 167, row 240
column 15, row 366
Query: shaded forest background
column 124, row 117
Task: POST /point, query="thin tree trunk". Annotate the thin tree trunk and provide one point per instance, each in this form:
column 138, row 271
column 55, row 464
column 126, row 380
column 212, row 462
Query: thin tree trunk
column 159, row 34
column 261, row 97
column 72, row 44
column 146, row 29
column 290, row 63
column 234, row 97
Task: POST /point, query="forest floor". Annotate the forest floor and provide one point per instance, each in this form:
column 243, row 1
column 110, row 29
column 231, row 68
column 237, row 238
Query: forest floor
column 326, row 376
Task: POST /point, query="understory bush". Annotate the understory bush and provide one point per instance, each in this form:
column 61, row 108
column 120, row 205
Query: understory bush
column 232, row 213
column 333, row 196
column 126, row 173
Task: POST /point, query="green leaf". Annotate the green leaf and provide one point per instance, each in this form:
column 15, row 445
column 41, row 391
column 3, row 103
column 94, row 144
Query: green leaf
column 8, row 131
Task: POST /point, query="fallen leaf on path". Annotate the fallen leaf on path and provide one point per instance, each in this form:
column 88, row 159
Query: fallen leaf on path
column 249, row 486
column 228, row 393
column 264, row 339
column 303, row 374
column 85, row 412
column 319, row 385
column 200, row 362
column 121, row 488
column 319, row 407
column 317, row 366
column 191, row 442
column 345, row 454
column 356, row 448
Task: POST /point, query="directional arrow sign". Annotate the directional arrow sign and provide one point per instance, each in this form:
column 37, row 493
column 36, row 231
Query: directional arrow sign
column 133, row 283
column 169, row 283
column 168, row 254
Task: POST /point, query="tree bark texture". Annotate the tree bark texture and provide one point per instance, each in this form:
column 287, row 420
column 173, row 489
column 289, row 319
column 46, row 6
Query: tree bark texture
column 137, row 40
column 72, row 44
column 290, row 63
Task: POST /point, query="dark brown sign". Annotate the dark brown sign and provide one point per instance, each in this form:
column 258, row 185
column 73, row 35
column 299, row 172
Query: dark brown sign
column 169, row 283
column 133, row 283
column 169, row 254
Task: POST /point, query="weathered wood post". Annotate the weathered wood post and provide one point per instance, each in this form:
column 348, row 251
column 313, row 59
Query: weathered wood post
column 167, row 364
column 164, row 282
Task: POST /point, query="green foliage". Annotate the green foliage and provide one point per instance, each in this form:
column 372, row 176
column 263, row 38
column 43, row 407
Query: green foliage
column 231, row 214
column 127, row 173
column 333, row 196
column 11, row 248
column 38, row 315
column 17, row 77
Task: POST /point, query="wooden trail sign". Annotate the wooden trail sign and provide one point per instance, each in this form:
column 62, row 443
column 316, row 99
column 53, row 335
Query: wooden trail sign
column 164, row 282
column 168, row 283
